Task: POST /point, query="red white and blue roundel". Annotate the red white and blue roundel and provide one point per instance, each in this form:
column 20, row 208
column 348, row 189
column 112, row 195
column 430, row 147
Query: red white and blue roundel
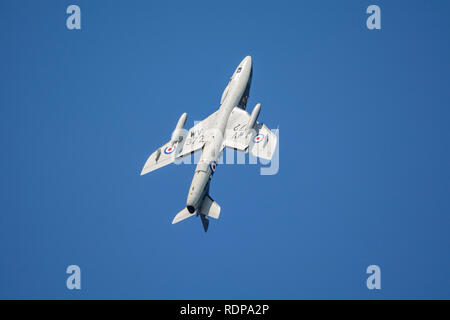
column 169, row 149
column 258, row 138
column 213, row 166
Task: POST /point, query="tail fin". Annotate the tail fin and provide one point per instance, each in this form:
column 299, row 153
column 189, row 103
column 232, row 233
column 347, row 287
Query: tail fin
column 205, row 222
column 183, row 214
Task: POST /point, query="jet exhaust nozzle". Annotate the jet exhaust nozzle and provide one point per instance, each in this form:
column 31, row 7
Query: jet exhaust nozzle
column 191, row 209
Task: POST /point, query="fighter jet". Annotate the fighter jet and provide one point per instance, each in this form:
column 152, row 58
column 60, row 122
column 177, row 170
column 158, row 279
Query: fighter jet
column 230, row 126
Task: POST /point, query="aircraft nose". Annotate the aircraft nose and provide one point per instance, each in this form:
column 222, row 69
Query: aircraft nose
column 245, row 67
column 247, row 61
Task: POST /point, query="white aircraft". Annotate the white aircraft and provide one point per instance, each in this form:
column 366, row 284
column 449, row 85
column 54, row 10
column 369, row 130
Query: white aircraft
column 230, row 126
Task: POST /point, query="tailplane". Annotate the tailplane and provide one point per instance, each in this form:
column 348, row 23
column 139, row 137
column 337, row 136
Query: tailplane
column 183, row 214
column 209, row 208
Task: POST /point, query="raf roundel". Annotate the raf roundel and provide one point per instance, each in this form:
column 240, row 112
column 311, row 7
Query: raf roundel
column 258, row 138
column 169, row 150
column 213, row 166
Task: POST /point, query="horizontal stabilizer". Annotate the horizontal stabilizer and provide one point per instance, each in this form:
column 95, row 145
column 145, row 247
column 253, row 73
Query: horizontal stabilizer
column 210, row 208
column 183, row 214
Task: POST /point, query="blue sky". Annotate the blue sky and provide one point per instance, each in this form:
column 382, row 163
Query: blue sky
column 364, row 158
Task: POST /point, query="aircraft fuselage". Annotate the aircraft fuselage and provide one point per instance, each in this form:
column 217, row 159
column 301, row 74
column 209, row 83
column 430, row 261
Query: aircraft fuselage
column 235, row 95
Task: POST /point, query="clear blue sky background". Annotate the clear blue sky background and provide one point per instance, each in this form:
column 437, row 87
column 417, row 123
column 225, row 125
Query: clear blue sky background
column 364, row 154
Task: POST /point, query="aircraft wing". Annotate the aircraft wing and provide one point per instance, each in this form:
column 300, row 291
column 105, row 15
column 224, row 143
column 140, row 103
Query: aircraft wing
column 160, row 158
column 190, row 142
column 261, row 141
column 196, row 137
